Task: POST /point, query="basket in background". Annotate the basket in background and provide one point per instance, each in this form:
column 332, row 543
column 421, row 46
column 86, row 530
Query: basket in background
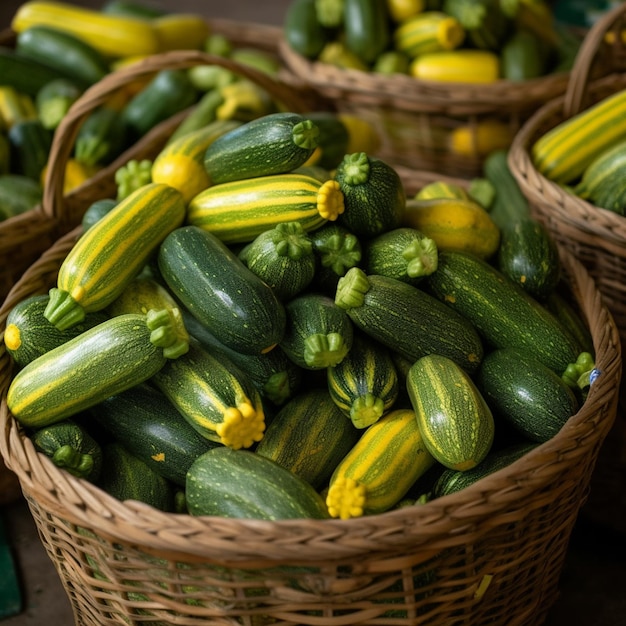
column 490, row 554
column 596, row 236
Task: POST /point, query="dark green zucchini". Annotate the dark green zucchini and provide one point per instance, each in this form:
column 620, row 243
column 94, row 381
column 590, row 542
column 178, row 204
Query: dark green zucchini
column 303, row 31
column 30, row 145
column 563, row 309
column 309, row 436
column 102, row 137
column 408, row 320
column 18, row 194
column 220, row 291
column 318, row 333
column 366, row 28
column 96, row 210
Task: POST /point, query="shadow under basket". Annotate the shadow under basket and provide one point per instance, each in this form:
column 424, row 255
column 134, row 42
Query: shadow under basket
column 489, row 554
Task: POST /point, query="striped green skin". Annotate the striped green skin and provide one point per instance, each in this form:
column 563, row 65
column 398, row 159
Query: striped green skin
column 502, row 312
column 570, row 318
column 272, row 144
column 113, row 251
column 610, row 194
column 365, row 384
column 318, row 333
column 526, row 393
column 609, row 165
column 214, row 396
column 195, row 143
column 429, row 31
column 129, row 478
column 309, row 436
column 28, row 334
column 234, row 304
column 451, row 481
column 152, row 428
column 98, row 363
column 407, row 319
column 563, row 153
column 245, row 485
column 380, row 468
column 239, row 211
column 453, row 417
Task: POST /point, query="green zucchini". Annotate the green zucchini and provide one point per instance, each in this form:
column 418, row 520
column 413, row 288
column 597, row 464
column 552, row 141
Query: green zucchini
column 28, row 334
column 374, row 195
column 275, row 143
column 485, row 24
column 563, row 309
column 403, row 253
column 96, row 210
column 303, row 31
column 63, row 51
column 54, row 100
column 30, row 145
column 129, row 478
column 101, row 138
column 214, row 396
column 408, row 320
column 610, row 164
column 242, row 484
column 501, row 311
column 365, row 385
column 113, row 356
column 524, row 56
column 239, row 211
column 150, row 427
column 71, row 447
column 333, row 139
column 220, row 291
column 366, row 28
column 18, row 194
column 318, row 333
column 142, row 10
column 283, row 257
column 526, row 393
column 381, row 467
column 309, row 436
column 112, row 252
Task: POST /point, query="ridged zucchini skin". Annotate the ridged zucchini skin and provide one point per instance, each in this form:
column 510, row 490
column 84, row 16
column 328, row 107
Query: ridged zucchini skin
column 452, row 415
column 98, row 363
column 374, row 196
column 220, row 291
column 28, row 334
column 275, row 143
column 245, row 485
column 239, row 211
column 563, row 152
column 112, row 252
column 390, row 311
column 318, row 333
column 150, row 427
column 502, row 312
column 526, row 393
column 380, row 468
column 309, row 436
column 365, row 385
column 214, row 396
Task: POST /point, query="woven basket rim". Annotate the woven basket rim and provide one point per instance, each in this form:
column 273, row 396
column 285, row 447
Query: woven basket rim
column 233, row 541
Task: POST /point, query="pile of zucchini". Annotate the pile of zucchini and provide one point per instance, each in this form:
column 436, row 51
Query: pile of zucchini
column 285, row 342
column 478, row 41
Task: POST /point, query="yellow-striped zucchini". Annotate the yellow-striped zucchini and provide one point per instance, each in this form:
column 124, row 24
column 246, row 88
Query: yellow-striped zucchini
column 428, row 31
column 239, row 211
column 112, row 252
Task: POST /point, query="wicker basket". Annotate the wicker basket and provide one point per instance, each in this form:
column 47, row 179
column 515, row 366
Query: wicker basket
column 24, row 237
column 415, row 118
column 490, row 554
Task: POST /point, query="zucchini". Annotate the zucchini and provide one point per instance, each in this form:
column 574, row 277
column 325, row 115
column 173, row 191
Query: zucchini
column 113, row 356
column 241, row 210
column 28, row 334
column 71, row 448
column 464, row 65
column 390, row 311
column 30, row 145
column 318, row 333
column 180, row 31
column 609, row 165
column 109, row 255
column 242, row 484
column 214, row 396
column 503, row 313
column 332, row 141
column 70, row 54
column 309, row 436
column 234, row 304
column 96, row 210
column 374, row 195
column 569, row 316
column 54, row 100
column 366, row 28
column 302, row 30
column 442, row 189
column 129, row 478
column 380, row 468
column 282, row 257
column 524, row 56
column 526, row 393
column 428, row 31
column 101, row 138
column 402, row 253
column 129, row 8
column 365, row 385
column 275, row 143
column 150, row 427
column 453, row 417
column 18, row 194
column 485, row 24
column 15, row 106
